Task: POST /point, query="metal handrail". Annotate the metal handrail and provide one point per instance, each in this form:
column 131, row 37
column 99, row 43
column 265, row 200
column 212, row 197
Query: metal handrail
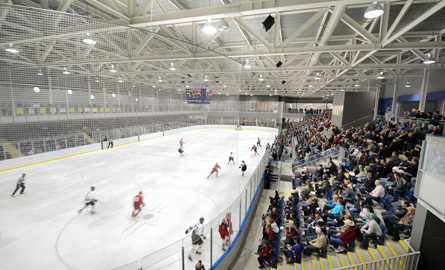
column 367, row 116
column 394, row 261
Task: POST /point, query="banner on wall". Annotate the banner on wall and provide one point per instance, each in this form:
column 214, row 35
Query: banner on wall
column 53, row 110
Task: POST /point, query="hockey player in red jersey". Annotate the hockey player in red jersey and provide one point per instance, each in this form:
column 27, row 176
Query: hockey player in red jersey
column 137, row 202
column 181, row 143
column 224, row 228
column 215, row 169
column 254, row 149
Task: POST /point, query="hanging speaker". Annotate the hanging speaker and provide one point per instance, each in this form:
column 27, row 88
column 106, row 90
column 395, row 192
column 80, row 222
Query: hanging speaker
column 279, row 64
column 268, row 22
column 283, row 82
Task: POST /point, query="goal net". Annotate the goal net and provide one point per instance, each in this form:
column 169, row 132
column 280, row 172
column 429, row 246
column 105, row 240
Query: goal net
column 238, row 127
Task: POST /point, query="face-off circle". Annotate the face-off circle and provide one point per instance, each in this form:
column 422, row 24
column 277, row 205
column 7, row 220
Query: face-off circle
column 148, row 216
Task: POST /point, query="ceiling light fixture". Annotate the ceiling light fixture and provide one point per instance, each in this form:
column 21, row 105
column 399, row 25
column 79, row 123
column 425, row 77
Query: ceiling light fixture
column 65, row 71
column 209, row 28
column 206, row 79
column 70, row 92
column 247, row 64
column 134, row 85
column 88, row 40
column 36, row 89
column 40, row 73
column 268, row 85
column 113, row 69
column 136, row 99
column 222, row 26
column 92, row 97
column 120, row 80
column 172, row 67
column 96, row 79
column 407, row 84
column 12, row 49
column 373, row 11
column 380, row 76
column 159, row 79
column 113, row 95
column 356, row 85
column 429, row 60
column 227, row 94
column 318, row 76
column 187, row 86
column 261, row 78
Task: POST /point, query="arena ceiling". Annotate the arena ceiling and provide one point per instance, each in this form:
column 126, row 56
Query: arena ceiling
column 324, row 46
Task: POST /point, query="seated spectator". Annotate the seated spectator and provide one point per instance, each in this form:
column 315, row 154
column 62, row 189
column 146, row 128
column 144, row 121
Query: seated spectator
column 378, row 192
column 339, row 240
column 369, row 231
column 356, row 208
column 412, row 168
column 290, row 233
column 397, row 189
column 265, row 254
column 395, row 227
column 398, row 212
column 330, row 203
column 325, row 186
column 305, row 193
column 274, row 225
column 349, row 165
column 335, row 212
column 317, row 244
column 361, row 176
column 330, row 169
column 338, row 180
column 311, row 205
column 334, row 223
column 292, row 253
column 310, row 227
column 368, row 184
column 348, row 194
column 318, row 175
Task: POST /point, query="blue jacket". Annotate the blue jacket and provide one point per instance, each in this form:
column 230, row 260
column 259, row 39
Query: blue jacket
column 336, row 210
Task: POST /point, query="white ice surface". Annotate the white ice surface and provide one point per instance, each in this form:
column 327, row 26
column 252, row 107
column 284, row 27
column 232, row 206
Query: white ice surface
column 42, row 230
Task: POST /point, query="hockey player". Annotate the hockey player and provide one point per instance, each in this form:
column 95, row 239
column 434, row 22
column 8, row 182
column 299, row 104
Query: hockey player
column 197, row 237
column 181, row 143
column 20, row 184
column 231, row 158
column 180, row 151
column 215, row 169
column 137, row 202
column 243, row 167
column 110, row 143
column 267, row 146
column 258, row 143
column 254, row 149
column 223, row 229
column 90, row 200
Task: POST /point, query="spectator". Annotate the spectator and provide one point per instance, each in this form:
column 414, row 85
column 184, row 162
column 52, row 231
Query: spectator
column 370, row 231
column 399, row 211
column 368, row 184
column 395, row 227
column 265, row 254
column 293, row 253
column 325, row 186
column 317, row 244
column 378, row 192
column 398, row 187
column 339, row 240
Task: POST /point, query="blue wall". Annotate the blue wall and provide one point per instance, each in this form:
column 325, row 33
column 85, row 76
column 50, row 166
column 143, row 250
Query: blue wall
column 382, row 104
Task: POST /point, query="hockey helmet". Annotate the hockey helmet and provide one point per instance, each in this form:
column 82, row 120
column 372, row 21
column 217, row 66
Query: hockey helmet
column 201, row 220
column 92, row 188
column 140, row 192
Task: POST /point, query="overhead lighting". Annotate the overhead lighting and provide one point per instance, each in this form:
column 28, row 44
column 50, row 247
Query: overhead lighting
column 373, row 11
column 159, row 79
column 342, row 90
column 96, row 79
column 225, row 85
column 276, row 93
column 219, row 93
column 134, row 85
column 136, row 99
column 40, row 73
column 268, row 85
column 245, row 93
column 65, row 71
column 310, row 85
column 120, row 80
column 380, row 76
column 239, row 90
column 250, row 94
column 275, row 90
column 70, row 92
column 187, row 86
column 179, row 90
column 270, row 94
column 36, row 89
column 356, row 85
column 209, row 28
column 113, row 95
column 154, row 86
column 113, row 69
column 227, row 94
column 318, row 76
column 407, row 84
column 222, row 26
column 172, row 67
column 261, row 78
column 12, row 49
column 92, row 97
column 429, row 60
column 88, row 40
column 206, row 79
column 247, row 64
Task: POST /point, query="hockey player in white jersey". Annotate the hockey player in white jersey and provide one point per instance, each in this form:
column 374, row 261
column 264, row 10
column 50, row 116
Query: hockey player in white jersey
column 197, row 237
column 90, row 199
column 231, row 158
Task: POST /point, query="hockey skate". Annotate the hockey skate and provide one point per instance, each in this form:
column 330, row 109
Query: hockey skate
column 190, row 258
column 93, row 212
column 80, row 211
column 198, row 252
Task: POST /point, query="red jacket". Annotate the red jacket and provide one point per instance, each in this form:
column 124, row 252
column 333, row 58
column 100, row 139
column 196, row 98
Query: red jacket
column 266, row 253
column 347, row 236
column 270, row 235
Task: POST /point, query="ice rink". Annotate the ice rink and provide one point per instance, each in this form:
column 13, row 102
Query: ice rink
column 42, row 229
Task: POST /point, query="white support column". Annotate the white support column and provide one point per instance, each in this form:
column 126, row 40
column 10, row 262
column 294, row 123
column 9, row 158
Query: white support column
column 376, row 101
column 104, row 92
column 50, row 88
column 395, row 95
column 424, row 90
column 118, row 95
column 89, row 92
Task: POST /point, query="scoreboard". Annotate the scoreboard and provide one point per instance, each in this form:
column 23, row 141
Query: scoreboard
column 198, row 96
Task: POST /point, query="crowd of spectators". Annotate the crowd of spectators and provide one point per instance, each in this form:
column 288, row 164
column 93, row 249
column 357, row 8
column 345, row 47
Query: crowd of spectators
column 308, row 111
column 332, row 203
